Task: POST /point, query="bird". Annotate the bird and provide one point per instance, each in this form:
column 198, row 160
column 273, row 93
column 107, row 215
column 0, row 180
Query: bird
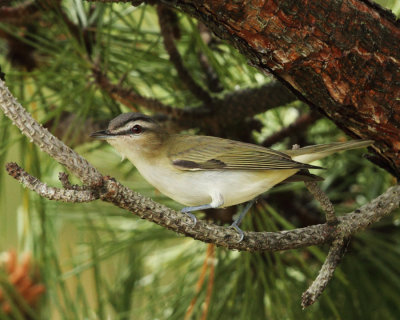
column 203, row 172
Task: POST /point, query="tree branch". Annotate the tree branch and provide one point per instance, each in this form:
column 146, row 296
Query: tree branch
column 25, row 12
column 335, row 255
column 324, row 201
column 321, row 197
column 42, row 189
column 123, row 197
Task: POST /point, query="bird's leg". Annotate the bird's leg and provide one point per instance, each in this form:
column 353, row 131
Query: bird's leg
column 188, row 210
column 217, row 201
column 239, row 219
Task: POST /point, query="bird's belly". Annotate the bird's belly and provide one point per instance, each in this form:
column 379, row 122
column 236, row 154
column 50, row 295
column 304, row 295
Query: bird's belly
column 193, row 188
column 241, row 186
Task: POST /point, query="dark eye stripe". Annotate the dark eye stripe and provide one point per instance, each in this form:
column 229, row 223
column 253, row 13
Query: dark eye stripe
column 128, row 132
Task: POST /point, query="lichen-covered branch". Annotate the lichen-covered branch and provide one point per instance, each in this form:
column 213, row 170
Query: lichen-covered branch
column 324, row 201
column 112, row 191
column 45, row 140
column 335, row 255
column 51, row 193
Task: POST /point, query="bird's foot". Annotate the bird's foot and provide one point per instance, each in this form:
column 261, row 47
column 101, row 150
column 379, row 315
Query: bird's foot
column 190, row 215
column 239, row 231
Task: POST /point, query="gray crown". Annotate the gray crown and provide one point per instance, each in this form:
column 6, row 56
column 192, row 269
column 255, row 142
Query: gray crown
column 124, row 118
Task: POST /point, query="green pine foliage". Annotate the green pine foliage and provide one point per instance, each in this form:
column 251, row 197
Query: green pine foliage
column 100, row 262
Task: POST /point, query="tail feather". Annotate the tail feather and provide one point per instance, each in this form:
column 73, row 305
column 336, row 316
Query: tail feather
column 311, row 153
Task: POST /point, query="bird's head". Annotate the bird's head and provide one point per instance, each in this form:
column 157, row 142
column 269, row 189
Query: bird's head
column 133, row 132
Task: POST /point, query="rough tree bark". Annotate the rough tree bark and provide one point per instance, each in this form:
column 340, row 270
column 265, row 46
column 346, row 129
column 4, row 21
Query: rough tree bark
column 341, row 57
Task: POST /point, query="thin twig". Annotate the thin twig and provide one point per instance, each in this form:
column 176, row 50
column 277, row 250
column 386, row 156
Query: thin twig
column 165, row 21
column 321, row 197
column 51, row 193
column 335, row 255
column 64, row 179
column 323, row 200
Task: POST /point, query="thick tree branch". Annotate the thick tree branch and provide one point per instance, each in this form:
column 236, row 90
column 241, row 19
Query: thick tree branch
column 340, row 57
column 129, row 98
column 228, row 114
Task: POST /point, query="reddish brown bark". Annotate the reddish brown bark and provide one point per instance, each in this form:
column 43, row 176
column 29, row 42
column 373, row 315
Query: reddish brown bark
column 340, row 56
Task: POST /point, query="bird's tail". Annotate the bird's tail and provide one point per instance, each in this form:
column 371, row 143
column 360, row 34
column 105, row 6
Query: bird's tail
column 311, row 153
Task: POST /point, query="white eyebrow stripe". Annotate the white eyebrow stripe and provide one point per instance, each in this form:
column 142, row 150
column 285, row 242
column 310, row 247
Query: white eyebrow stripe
column 130, row 124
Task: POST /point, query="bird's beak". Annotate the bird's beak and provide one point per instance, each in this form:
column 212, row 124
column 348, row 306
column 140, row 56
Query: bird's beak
column 101, row 135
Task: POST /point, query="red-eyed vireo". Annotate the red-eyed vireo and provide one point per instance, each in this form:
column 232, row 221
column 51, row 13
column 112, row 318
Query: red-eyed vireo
column 203, row 172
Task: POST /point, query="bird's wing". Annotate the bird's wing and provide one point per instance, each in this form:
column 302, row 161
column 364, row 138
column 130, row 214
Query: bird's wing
column 212, row 153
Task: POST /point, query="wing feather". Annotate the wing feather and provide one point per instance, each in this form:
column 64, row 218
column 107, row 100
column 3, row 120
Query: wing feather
column 212, row 153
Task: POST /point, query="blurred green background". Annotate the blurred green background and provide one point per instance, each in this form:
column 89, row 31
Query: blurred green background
column 100, row 262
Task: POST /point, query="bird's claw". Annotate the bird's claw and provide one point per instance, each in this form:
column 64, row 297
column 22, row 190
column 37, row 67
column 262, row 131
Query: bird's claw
column 191, row 216
column 240, row 231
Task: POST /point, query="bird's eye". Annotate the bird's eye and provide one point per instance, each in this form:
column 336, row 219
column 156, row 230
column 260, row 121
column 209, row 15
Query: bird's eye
column 136, row 129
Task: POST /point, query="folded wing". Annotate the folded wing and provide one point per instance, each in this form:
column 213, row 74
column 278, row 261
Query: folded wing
column 212, row 153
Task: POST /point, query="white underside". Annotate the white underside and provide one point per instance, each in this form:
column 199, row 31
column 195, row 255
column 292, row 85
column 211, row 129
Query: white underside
column 219, row 188
column 216, row 187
